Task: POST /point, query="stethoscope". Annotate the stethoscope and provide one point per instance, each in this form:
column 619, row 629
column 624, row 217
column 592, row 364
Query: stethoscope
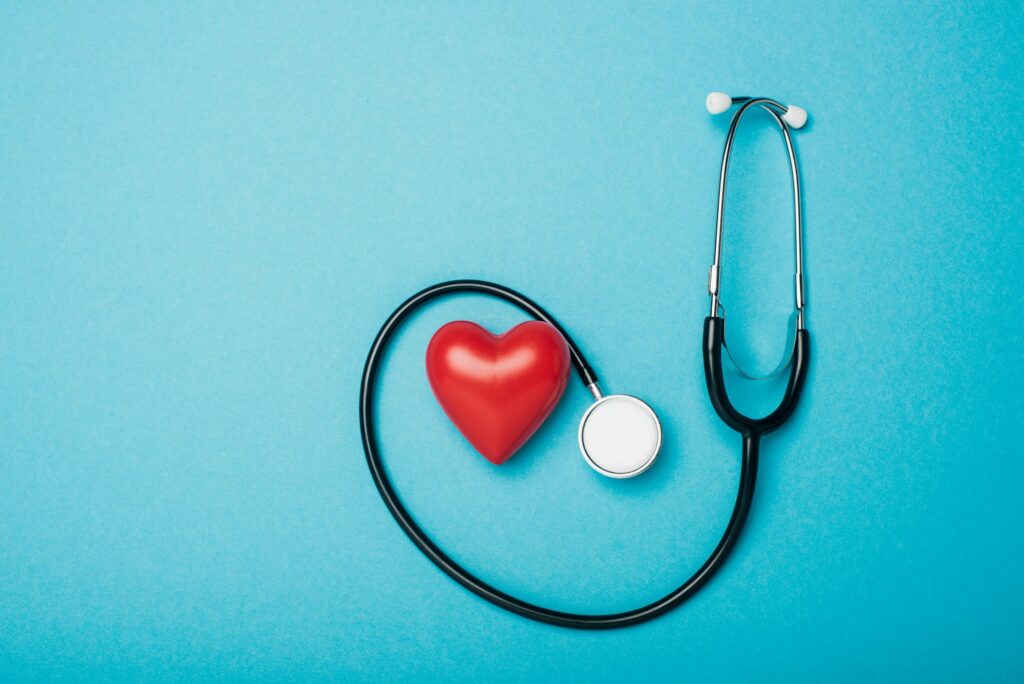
column 619, row 434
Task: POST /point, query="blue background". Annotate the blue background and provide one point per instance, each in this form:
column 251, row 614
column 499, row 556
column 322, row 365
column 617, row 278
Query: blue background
column 206, row 212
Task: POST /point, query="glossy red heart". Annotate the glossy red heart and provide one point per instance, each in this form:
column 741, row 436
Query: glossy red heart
column 498, row 389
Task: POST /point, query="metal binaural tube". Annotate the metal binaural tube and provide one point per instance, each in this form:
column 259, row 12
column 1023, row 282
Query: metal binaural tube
column 776, row 110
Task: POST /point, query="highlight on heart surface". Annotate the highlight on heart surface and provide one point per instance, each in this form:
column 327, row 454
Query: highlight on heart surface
column 497, row 389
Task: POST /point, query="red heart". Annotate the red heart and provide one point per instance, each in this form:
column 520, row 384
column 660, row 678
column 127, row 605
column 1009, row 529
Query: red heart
column 498, row 389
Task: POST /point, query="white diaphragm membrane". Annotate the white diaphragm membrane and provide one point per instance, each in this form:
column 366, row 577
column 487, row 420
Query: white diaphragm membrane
column 620, row 436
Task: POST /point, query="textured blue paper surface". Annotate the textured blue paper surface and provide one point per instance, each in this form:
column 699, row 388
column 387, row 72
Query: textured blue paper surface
column 207, row 211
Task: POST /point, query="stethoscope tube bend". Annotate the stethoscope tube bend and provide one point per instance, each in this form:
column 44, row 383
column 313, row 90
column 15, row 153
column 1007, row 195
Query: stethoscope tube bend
column 714, row 340
column 367, row 399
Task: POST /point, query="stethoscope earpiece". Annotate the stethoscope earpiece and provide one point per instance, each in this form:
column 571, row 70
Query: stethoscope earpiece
column 717, row 103
column 620, row 435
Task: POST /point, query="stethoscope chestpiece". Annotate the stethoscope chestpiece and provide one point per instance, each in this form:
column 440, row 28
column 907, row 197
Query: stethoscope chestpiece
column 620, row 435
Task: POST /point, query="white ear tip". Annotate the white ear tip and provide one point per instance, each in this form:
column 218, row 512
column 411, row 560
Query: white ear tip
column 795, row 116
column 717, row 102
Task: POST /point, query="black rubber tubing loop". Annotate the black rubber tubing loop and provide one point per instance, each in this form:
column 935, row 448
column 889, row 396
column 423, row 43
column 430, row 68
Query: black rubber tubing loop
column 714, row 338
column 751, row 431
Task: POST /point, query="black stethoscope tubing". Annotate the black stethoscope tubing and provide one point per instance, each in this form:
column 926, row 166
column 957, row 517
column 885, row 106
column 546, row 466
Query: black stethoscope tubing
column 750, row 429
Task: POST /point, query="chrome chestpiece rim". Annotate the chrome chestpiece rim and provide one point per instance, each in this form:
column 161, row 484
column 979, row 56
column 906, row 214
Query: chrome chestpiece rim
column 620, row 436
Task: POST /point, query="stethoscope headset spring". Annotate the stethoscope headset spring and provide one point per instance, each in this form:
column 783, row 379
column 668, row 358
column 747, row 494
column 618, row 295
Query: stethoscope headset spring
column 750, row 429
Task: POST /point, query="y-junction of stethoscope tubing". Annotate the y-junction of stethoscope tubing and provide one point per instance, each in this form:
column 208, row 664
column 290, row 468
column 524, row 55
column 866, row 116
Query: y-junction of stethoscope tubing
column 751, row 428
column 776, row 110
